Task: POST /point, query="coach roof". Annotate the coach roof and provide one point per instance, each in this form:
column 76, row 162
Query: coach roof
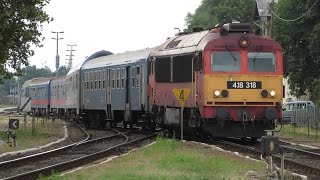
column 117, row 59
column 40, row 81
column 93, row 56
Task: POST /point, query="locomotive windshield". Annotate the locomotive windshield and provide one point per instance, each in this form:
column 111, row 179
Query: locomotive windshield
column 225, row 61
column 261, row 62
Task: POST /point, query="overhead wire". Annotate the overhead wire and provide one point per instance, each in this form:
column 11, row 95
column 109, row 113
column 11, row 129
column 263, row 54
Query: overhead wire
column 292, row 20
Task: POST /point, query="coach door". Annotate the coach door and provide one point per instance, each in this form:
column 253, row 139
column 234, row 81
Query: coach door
column 108, row 94
column 142, row 87
column 127, row 114
column 127, row 85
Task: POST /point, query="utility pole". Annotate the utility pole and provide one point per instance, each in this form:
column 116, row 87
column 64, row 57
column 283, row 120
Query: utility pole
column 57, row 55
column 272, row 19
column 71, row 54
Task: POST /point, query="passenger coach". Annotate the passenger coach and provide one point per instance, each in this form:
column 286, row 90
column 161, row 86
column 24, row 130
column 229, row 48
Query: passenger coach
column 73, row 82
column 115, row 88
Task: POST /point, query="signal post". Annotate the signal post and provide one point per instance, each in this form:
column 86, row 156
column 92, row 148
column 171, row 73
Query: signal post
column 182, row 96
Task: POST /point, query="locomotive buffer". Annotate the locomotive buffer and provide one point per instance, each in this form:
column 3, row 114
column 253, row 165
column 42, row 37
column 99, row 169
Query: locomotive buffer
column 182, row 96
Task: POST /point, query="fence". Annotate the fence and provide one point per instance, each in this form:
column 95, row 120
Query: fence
column 307, row 118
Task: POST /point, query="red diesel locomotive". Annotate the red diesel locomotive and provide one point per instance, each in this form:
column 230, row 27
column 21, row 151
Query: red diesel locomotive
column 228, row 79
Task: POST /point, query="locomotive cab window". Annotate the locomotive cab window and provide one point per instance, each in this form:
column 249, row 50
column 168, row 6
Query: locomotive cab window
column 182, row 69
column 162, row 68
column 228, row 61
column 261, row 62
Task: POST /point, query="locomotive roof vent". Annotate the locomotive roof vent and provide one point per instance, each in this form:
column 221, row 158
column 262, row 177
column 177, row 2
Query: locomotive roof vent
column 236, row 28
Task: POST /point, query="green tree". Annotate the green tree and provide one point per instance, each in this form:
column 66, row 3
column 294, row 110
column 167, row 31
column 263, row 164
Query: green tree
column 30, row 72
column 211, row 12
column 62, row 71
column 20, row 27
column 297, row 28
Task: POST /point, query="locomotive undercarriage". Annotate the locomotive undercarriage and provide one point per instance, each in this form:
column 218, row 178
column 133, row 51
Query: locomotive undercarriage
column 168, row 119
column 194, row 125
column 242, row 129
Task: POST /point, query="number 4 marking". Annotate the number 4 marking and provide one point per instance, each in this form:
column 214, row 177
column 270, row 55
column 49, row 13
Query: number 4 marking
column 181, row 96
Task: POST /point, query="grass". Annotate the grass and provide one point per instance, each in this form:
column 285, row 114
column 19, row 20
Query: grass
column 6, row 105
column 300, row 133
column 171, row 159
column 44, row 132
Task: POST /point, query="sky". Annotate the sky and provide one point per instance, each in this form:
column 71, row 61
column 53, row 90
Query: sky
column 112, row 25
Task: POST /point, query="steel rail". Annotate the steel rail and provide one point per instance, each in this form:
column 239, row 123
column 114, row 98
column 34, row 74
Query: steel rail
column 117, row 149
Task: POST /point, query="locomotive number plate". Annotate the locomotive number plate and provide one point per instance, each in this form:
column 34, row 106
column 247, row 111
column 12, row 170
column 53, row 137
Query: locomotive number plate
column 244, row 84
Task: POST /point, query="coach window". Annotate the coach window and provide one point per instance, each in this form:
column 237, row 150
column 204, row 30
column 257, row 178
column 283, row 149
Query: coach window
column 133, row 75
column 122, row 77
column 182, row 69
column 99, row 82
column 87, row 81
column 142, row 74
column 261, row 62
column 92, row 80
column 113, row 78
column 162, row 69
column 64, row 90
column 118, row 78
column 95, row 80
column 108, row 78
column 104, row 80
column 225, row 61
column 33, row 92
column 77, row 84
column 138, row 76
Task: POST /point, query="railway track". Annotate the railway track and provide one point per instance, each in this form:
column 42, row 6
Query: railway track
column 76, row 134
column 70, row 156
column 296, row 159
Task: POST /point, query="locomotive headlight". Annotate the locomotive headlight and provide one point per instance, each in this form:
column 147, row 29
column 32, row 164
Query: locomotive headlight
column 244, row 42
column 224, row 93
column 217, row 93
column 264, row 93
column 272, row 93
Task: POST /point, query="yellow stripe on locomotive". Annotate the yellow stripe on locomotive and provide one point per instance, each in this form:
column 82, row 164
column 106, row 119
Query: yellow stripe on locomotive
column 242, row 90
